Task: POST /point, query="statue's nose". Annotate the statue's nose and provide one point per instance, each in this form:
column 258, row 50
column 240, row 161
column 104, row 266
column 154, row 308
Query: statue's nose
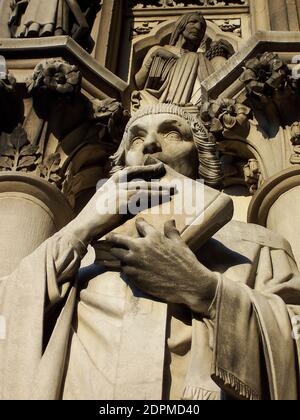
column 152, row 144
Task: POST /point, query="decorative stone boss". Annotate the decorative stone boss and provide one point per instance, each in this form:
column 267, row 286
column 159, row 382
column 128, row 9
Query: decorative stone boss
column 172, row 323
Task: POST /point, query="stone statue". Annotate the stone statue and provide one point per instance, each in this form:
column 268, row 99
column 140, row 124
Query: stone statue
column 42, row 18
column 176, row 324
column 173, row 73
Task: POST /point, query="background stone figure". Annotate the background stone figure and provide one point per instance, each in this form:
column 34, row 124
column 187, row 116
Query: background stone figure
column 173, row 73
column 41, row 18
column 5, row 13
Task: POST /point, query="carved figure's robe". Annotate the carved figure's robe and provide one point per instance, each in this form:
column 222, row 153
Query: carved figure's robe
column 91, row 336
column 5, row 12
column 176, row 80
column 44, row 18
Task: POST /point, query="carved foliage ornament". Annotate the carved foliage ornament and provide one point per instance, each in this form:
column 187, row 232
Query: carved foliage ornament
column 138, row 4
column 19, row 154
column 111, row 113
column 226, row 118
column 55, row 75
column 265, row 74
column 252, row 175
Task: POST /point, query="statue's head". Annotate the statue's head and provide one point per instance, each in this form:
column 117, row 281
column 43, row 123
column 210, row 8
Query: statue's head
column 192, row 27
column 171, row 135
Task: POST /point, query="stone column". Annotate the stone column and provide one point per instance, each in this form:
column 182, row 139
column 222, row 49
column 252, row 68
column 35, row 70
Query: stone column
column 260, row 13
column 292, row 15
column 107, row 46
column 278, row 15
column 5, row 12
column 276, row 206
column 31, row 211
column 298, row 8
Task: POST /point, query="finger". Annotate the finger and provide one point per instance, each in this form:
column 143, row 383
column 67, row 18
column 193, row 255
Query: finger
column 114, row 264
column 121, row 254
column 144, row 228
column 121, row 241
column 147, row 173
column 171, row 231
column 102, row 246
column 103, row 253
column 130, row 272
column 104, row 256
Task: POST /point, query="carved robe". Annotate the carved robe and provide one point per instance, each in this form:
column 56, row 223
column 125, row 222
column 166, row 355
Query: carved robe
column 76, row 337
column 5, row 12
column 176, row 80
column 44, row 18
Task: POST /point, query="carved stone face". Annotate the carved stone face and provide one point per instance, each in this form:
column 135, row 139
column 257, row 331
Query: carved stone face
column 194, row 30
column 166, row 137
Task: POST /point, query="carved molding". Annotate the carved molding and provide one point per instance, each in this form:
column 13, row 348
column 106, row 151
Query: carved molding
column 148, row 4
column 97, row 80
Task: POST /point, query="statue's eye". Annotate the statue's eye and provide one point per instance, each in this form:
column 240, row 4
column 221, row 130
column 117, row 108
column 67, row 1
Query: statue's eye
column 173, row 136
column 136, row 143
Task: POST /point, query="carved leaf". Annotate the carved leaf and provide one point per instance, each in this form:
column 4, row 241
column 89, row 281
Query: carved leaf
column 9, row 151
column 5, row 162
column 276, row 80
column 42, row 171
column 215, row 109
column 53, row 162
column 242, row 109
column 27, row 161
column 242, row 120
column 55, row 178
column 18, row 138
column 247, row 76
column 29, row 150
column 216, row 126
column 229, row 121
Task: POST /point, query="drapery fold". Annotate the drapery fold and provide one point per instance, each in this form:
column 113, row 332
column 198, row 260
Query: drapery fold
column 246, row 351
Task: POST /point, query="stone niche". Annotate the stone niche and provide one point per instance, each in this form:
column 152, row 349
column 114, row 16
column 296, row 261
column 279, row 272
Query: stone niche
column 149, row 22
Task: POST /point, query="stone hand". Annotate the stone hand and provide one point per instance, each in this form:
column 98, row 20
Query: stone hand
column 110, row 206
column 161, row 53
column 163, row 266
column 164, row 53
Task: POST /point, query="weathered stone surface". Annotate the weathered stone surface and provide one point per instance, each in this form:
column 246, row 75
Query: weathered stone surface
column 214, row 95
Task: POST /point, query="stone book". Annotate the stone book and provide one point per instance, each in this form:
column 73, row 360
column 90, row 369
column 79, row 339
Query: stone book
column 198, row 210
